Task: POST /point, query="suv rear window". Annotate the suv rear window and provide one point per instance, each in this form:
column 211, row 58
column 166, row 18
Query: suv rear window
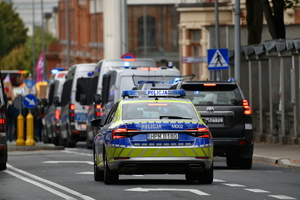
column 82, row 87
column 213, row 95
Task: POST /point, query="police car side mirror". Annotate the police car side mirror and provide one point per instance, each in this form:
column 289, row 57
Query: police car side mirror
column 56, row 101
column 97, row 99
column 96, row 123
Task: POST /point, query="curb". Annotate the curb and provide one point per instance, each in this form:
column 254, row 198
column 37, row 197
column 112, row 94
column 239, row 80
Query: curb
column 276, row 161
column 14, row 147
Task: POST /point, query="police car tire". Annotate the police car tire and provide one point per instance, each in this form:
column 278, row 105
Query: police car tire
column 98, row 175
column 207, row 176
column 2, row 166
column 71, row 143
column 110, row 177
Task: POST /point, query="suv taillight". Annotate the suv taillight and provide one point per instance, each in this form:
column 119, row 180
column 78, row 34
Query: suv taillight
column 247, row 109
column 123, row 133
column 98, row 111
column 200, row 132
column 72, row 112
column 57, row 115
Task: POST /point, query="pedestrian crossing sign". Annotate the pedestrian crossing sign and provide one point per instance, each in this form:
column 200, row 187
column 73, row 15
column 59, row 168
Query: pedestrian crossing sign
column 217, row 59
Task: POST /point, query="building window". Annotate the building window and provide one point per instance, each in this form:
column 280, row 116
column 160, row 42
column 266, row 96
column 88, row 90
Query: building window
column 147, row 33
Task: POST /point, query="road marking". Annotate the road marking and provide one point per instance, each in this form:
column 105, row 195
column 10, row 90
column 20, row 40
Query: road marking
column 85, row 173
column 281, row 197
column 56, row 192
column 50, row 183
column 73, row 152
column 257, row 190
column 56, row 162
column 233, row 185
column 218, row 181
column 139, row 189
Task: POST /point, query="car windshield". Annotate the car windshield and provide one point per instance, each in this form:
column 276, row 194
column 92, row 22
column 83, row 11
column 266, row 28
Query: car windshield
column 159, row 110
column 205, row 96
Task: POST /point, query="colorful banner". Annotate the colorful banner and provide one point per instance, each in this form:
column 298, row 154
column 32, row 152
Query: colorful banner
column 39, row 68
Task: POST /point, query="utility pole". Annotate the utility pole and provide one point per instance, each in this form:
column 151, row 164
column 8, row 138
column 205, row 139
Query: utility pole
column 68, row 33
column 43, row 42
column 237, row 42
column 217, row 35
column 33, row 43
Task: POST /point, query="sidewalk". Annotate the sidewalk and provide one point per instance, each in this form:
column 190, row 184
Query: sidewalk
column 284, row 155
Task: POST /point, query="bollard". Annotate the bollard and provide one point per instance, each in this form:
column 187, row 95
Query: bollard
column 20, row 131
column 30, row 131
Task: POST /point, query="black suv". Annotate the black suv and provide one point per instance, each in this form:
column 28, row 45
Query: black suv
column 228, row 116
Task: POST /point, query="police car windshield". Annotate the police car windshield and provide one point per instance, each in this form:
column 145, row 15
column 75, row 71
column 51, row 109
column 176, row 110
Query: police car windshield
column 158, row 110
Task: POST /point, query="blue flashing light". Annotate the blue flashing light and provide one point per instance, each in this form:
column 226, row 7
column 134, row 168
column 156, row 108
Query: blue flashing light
column 231, row 80
column 126, row 64
column 153, row 93
column 90, row 74
column 98, row 69
column 196, row 92
column 54, row 71
column 129, row 93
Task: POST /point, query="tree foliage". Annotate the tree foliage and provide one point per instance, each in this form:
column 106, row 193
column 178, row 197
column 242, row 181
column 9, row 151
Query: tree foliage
column 274, row 15
column 12, row 30
column 21, row 57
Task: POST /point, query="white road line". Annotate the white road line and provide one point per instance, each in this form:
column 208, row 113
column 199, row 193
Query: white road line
column 51, row 183
column 257, row 190
column 281, row 197
column 56, row 162
column 73, row 152
column 139, row 189
column 233, row 185
column 56, row 192
column 85, row 173
column 218, row 181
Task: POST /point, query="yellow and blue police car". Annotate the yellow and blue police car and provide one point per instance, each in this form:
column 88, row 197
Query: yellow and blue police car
column 153, row 132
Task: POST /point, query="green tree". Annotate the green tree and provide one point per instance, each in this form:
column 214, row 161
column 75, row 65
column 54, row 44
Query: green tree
column 13, row 32
column 21, row 57
column 274, row 15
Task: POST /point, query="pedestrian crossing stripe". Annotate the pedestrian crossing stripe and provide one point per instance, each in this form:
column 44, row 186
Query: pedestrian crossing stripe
column 217, row 59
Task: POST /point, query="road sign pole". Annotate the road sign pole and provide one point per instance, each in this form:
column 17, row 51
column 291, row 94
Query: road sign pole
column 217, row 35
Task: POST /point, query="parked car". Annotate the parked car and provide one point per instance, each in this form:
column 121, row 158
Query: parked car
column 229, row 117
column 73, row 112
column 3, row 126
column 51, row 120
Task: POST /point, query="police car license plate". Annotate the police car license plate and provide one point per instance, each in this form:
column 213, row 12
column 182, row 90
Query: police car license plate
column 214, row 120
column 162, row 136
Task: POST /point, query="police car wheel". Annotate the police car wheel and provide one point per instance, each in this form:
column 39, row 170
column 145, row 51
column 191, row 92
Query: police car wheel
column 71, row 143
column 98, row 175
column 207, row 176
column 110, row 177
column 2, row 166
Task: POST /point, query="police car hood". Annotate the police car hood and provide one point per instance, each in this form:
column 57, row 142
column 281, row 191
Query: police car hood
column 163, row 125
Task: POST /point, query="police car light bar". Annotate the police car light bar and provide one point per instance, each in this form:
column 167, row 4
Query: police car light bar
column 153, row 93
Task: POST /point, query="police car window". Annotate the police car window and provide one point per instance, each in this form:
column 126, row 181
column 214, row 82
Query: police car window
column 66, row 93
column 154, row 110
column 126, row 83
column 82, row 87
column 112, row 113
column 217, row 95
column 92, row 89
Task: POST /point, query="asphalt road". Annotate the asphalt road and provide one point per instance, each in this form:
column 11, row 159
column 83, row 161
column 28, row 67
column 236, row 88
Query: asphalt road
column 68, row 174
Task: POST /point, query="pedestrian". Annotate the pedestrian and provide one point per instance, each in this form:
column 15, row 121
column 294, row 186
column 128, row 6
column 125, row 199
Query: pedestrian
column 10, row 122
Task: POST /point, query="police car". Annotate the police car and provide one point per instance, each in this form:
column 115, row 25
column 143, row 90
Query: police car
column 153, row 132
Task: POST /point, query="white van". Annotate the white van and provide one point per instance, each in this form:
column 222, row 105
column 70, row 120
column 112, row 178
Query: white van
column 102, row 68
column 73, row 114
column 52, row 110
column 116, row 81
